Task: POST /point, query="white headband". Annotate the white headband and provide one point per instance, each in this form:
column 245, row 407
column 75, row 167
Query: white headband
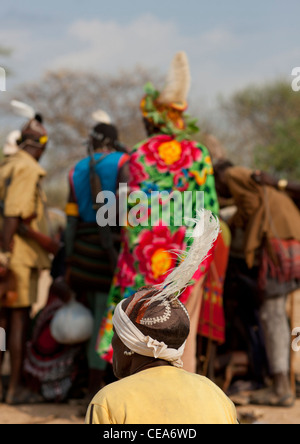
column 143, row 345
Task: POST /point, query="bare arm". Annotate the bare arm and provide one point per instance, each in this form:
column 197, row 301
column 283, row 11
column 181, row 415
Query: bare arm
column 263, row 178
column 11, row 225
column 10, row 228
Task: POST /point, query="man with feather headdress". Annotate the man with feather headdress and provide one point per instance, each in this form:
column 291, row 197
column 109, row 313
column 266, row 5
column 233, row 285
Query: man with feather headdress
column 151, row 328
column 21, row 257
column 169, row 160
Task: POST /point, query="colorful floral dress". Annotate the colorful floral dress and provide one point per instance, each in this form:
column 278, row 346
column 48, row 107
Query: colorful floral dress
column 161, row 163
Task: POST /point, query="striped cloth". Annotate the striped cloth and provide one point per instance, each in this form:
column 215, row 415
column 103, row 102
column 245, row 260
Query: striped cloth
column 89, row 265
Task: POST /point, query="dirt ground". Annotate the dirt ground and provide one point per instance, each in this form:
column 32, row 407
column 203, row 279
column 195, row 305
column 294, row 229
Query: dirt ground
column 40, row 414
column 70, row 413
column 269, row 415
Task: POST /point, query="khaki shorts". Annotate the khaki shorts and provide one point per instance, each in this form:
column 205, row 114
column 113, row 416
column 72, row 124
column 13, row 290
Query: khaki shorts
column 26, row 285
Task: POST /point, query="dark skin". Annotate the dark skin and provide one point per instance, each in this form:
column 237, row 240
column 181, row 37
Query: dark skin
column 15, row 321
column 222, row 186
column 18, row 321
column 124, row 365
column 10, row 228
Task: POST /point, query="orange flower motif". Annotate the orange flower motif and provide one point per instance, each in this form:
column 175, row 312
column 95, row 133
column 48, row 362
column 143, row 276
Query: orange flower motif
column 170, row 152
column 170, row 155
column 161, row 262
column 154, row 252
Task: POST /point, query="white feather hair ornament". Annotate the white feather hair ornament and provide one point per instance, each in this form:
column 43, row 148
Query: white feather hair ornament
column 11, row 146
column 205, row 233
column 178, row 81
column 22, row 109
column 101, row 116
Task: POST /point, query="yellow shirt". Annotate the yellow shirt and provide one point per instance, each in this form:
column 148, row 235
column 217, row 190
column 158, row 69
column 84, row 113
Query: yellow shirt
column 20, row 177
column 162, row 395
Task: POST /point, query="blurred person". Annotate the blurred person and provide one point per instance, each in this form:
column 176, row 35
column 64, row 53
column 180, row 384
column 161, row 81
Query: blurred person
column 53, row 372
column 292, row 188
column 268, row 223
column 167, row 161
column 91, row 250
column 151, row 329
column 51, row 369
column 23, row 253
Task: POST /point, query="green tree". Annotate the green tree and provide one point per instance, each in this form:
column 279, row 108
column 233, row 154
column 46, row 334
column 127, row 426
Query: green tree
column 283, row 154
column 263, row 124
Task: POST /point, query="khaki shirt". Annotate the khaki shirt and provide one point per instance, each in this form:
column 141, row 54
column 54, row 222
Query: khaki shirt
column 20, row 177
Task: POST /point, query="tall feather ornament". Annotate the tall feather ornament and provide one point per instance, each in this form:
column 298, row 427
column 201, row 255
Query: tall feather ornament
column 178, row 81
column 22, row 109
column 205, row 234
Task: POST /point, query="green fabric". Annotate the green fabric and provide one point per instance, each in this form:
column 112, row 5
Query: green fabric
column 97, row 304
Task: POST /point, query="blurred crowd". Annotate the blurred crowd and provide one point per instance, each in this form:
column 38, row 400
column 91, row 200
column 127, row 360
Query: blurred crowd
column 240, row 335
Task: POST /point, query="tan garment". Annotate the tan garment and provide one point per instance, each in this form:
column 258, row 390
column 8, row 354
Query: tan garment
column 262, row 211
column 27, row 280
column 20, row 177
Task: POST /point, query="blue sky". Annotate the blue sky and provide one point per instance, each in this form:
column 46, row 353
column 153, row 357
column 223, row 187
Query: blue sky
column 230, row 43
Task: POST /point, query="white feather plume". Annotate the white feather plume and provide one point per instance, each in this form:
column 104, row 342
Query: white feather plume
column 101, row 116
column 22, row 109
column 205, row 234
column 178, row 81
column 11, row 147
